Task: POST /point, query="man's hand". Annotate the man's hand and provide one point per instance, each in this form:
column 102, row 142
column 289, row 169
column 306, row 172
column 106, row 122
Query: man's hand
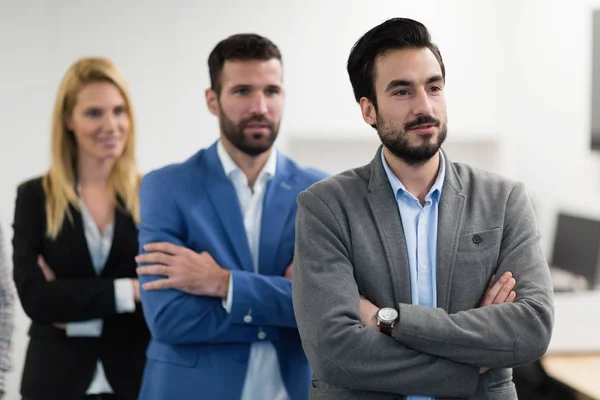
column 368, row 313
column 501, row 291
column 184, row 269
column 498, row 293
column 289, row 271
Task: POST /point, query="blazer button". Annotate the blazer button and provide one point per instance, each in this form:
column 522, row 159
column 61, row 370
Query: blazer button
column 247, row 319
column 477, row 239
column 262, row 335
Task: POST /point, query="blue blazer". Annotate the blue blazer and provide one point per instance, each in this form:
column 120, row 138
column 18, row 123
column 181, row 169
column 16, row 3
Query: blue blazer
column 198, row 350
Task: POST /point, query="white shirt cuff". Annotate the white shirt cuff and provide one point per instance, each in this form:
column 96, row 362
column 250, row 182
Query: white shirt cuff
column 90, row 328
column 227, row 302
column 124, row 296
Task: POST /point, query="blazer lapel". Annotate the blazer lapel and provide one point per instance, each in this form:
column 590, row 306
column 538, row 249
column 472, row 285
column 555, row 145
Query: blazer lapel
column 389, row 224
column 279, row 203
column 80, row 241
column 450, row 216
column 225, row 202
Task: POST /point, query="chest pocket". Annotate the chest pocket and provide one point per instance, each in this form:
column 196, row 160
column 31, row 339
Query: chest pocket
column 480, row 249
column 479, row 241
column 476, row 259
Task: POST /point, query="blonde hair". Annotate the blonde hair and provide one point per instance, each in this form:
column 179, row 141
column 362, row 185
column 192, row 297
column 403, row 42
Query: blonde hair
column 59, row 181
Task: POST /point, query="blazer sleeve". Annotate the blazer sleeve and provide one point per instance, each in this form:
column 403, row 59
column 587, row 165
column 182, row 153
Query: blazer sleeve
column 62, row 300
column 340, row 349
column 267, row 299
column 503, row 335
column 177, row 317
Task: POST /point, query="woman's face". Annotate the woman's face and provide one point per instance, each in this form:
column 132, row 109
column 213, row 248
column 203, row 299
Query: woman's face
column 100, row 121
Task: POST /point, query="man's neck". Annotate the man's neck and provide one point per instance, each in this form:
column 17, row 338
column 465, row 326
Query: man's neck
column 250, row 165
column 418, row 180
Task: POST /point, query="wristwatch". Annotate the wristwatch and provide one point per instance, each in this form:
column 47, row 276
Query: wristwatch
column 386, row 319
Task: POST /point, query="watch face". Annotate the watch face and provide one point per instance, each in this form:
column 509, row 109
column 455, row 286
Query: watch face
column 387, row 315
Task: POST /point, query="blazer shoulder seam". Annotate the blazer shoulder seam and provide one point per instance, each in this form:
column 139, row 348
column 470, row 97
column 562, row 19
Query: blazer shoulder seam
column 328, row 208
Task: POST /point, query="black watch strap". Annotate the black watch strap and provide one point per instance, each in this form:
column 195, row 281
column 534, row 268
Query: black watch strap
column 385, row 329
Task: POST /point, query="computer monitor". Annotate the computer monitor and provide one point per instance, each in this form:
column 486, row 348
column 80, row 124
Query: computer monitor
column 577, row 247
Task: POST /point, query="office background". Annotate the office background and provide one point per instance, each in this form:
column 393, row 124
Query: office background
column 519, row 86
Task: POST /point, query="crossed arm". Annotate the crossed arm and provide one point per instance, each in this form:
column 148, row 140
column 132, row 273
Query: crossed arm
column 505, row 335
column 498, row 292
column 185, row 293
column 45, row 299
column 434, row 354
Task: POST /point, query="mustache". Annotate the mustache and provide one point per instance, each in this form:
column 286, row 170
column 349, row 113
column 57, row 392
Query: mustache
column 422, row 120
column 256, row 118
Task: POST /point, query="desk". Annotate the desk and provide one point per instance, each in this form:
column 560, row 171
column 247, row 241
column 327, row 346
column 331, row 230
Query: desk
column 580, row 372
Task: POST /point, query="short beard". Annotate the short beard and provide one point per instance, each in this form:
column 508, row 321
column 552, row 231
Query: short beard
column 235, row 134
column 397, row 142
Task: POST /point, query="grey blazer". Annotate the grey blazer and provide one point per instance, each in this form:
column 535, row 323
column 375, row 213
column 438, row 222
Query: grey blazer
column 350, row 242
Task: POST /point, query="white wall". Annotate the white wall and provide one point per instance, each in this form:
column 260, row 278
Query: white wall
column 547, row 106
column 518, row 71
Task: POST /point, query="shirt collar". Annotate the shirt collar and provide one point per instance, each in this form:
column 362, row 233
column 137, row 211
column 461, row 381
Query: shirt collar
column 397, row 186
column 230, row 167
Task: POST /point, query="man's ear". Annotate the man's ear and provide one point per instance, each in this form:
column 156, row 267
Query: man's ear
column 368, row 111
column 212, row 101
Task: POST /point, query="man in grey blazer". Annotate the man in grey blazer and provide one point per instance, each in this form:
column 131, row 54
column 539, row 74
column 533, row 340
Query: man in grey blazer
column 393, row 259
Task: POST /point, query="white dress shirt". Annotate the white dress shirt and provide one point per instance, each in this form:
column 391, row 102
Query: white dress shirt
column 99, row 244
column 263, row 376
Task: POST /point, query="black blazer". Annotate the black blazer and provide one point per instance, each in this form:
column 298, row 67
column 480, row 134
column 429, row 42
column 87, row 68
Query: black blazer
column 56, row 366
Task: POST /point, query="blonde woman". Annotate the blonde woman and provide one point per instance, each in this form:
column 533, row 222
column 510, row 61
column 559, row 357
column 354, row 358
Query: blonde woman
column 75, row 239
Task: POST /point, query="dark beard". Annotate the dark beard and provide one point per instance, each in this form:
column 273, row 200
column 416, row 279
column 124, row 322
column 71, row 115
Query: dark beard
column 398, row 145
column 235, row 134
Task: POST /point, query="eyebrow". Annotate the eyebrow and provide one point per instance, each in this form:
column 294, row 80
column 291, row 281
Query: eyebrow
column 240, row 86
column 248, row 86
column 406, row 83
column 98, row 107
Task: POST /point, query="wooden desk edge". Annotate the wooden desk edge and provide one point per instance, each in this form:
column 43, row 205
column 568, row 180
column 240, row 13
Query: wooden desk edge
column 554, row 364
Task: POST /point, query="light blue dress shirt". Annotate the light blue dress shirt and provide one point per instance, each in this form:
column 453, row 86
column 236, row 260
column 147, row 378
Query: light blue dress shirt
column 420, row 232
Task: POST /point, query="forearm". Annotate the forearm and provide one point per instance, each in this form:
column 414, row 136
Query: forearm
column 495, row 336
column 179, row 318
column 356, row 357
column 261, row 300
column 67, row 300
column 124, row 302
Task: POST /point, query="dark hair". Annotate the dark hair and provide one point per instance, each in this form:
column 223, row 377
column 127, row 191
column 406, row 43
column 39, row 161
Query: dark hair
column 240, row 47
column 393, row 34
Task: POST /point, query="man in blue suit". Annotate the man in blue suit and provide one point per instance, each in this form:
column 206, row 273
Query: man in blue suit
column 217, row 242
